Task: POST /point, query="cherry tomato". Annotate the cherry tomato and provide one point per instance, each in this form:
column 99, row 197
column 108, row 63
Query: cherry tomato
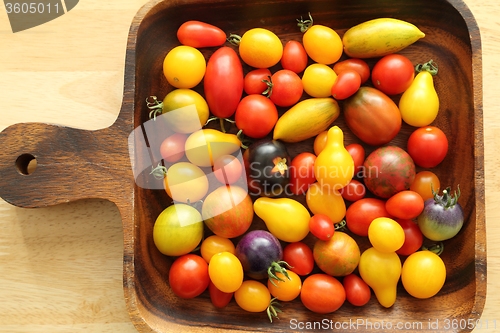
column 318, row 80
column 406, row 204
column 386, row 235
column 200, row 34
column 346, row 84
column 219, row 298
column 427, row 146
column 393, row 74
column 185, row 182
column 260, row 48
column 253, row 296
column 172, row 148
column 357, row 153
column 285, row 88
column 358, row 65
column 254, row 82
column 424, row 183
column 256, row 116
column 227, row 169
column 320, row 142
column 353, row 191
column 184, row 66
column 179, row 113
column 357, row 292
column 225, row 271
column 361, row 213
column 300, row 257
column 286, row 290
column 413, row 237
column 214, row 244
column 188, row 276
column 302, row 173
column 322, row 44
column 423, row 274
column 321, row 226
column 322, row 293
column 294, row 57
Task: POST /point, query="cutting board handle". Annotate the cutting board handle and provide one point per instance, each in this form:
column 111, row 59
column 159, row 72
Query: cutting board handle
column 43, row 164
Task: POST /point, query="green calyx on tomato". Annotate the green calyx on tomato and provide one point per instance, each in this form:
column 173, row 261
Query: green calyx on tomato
column 305, row 24
column 429, row 66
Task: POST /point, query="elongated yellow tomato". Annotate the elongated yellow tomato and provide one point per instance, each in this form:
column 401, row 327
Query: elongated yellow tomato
column 423, row 274
column 318, row 80
column 253, row 296
column 381, row 271
column 322, row 44
column 327, row 201
column 386, row 235
column 419, row 104
column 185, row 182
column 334, row 166
column 226, row 272
column 184, row 66
column 260, row 48
column 204, row 146
column 286, row 218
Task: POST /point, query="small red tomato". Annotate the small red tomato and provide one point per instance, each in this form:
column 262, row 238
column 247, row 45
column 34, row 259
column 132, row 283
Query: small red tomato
column 294, row 57
column 357, row 291
column 361, row 213
column 255, row 81
column 200, row 34
column 413, row 237
column 357, row 153
column 393, row 74
column 286, row 88
column 322, row 293
column 300, row 257
column 188, row 276
column 353, row 191
column 219, row 298
column 227, row 169
column 302, row 173
column 427, row 146
column 256, row 116
column 321, row 226
column 172, row 148
column 346, row 84
column 358, row 65
column 405, row 205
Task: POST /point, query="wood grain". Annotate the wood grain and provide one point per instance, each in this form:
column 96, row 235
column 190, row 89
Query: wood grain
column 72, row 274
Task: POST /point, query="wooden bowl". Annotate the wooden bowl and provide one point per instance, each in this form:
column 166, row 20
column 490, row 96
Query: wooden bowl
column 75, row 164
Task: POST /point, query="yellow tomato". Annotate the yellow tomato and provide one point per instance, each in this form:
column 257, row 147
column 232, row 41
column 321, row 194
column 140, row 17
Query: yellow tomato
column 327, row 201
column 253, row 296
column 318, row 80
column 184, row 66
column 386, row 235
column 286, row 289
column 322, row 44
column 226, row 272
column 423, row 274
column 320, row 142
column 215, row 244
column 185, row 110
column 260, row 48
column 186, row 182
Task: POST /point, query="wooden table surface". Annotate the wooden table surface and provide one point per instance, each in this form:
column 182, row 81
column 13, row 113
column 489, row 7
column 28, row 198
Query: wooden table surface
column 61, row 267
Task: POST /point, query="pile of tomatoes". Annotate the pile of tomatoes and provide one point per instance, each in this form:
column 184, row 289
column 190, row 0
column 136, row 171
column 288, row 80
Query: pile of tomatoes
column 249, row 84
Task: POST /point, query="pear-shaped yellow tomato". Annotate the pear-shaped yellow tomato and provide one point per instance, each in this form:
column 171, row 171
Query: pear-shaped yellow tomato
column 327, row 201
column 185, row 182
column 381, row 271
column 286, row 218
column 205, row 146
column 334, row 166
column 423, row 274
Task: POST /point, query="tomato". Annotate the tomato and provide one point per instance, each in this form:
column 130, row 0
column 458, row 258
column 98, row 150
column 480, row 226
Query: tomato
column 413, row 237
column 300, row 257
column 188, row 276
column 294, row 57
column 358, row 65
column 353, row 191
column 386, row 235
column 406, row 204
column 321, row 226
column 256, row 116
column 184, row 66
column 223, row 82
column 393, row 74
column 204, row 146
column 357, row 292
column 357, row 153
column 325, row 199
column 427, row 146
column 322, row 44
column 200, row 34
column 172, row 148
column 425, row 182
column 346, row 84
column 178, row 230
column 423, row 274
column 260, row 48
column 225, row 271
column 361, row 213
column 285, row 88
column 219, row 298
column 318, row 80
column 302, row 173
column 254, row 82
column 253, row 296
column 285, row 289
column 322, row 293
column 214, row 244
column 184, row 110
column 320, row 142
column 227, row 169
column 186, row 182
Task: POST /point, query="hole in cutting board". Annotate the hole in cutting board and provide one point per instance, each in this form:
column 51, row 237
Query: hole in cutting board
column 26, row 164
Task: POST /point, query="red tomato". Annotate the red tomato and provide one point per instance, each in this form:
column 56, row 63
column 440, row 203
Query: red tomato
column 286, row 88
column 227, row 169
column 425, row 183
column 413, row 237
column 302, row 173
column 200, row 34
column 300, row 257
column 219, row 298
column 172, row 148
column 223, row 82
column 361, row 213
column 294, row 57
column 357, row 291
column 254, row 82
column 188, row 276
column 322, row 293
column 346, row 84
column 256, row 116
column 353, row 191
column 321, row 226
column 405, row 205
column 427, row 146
column 358, row 65
column 393, row 74
column 357, row 153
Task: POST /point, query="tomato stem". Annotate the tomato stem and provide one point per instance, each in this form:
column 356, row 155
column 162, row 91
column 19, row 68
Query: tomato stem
column 340, row 226
column 276, row 267
column 429, row 66
column 234, row 39
column 155, row 106
column 272, row 311
column 159, row 172
column 305, row 24
column 221, row 122
column 244, row 141
column 435, row 248
column 269, row 90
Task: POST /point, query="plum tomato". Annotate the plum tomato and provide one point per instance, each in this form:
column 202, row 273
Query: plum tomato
column 393, row 74
column 294, row 57
column 200, row 34
column 406, row 204
column 226, row 272
column 302, row 173
column 361, row 213
column 300, row 257
column 322, row 293
column 425, row 182
column 413, row 237
column 357, row 292
column 321, row 226
column 254, row 82
column 256, row 116
column 253, row 296
column 358, row 65
column 286, row 288
column 353, row 191
column 172, row 148
column 427, row 146
column 285, row 88
column 346, row 84
column 219, row 298
column 188, row 276
column 357, row 153
column 227, row 169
